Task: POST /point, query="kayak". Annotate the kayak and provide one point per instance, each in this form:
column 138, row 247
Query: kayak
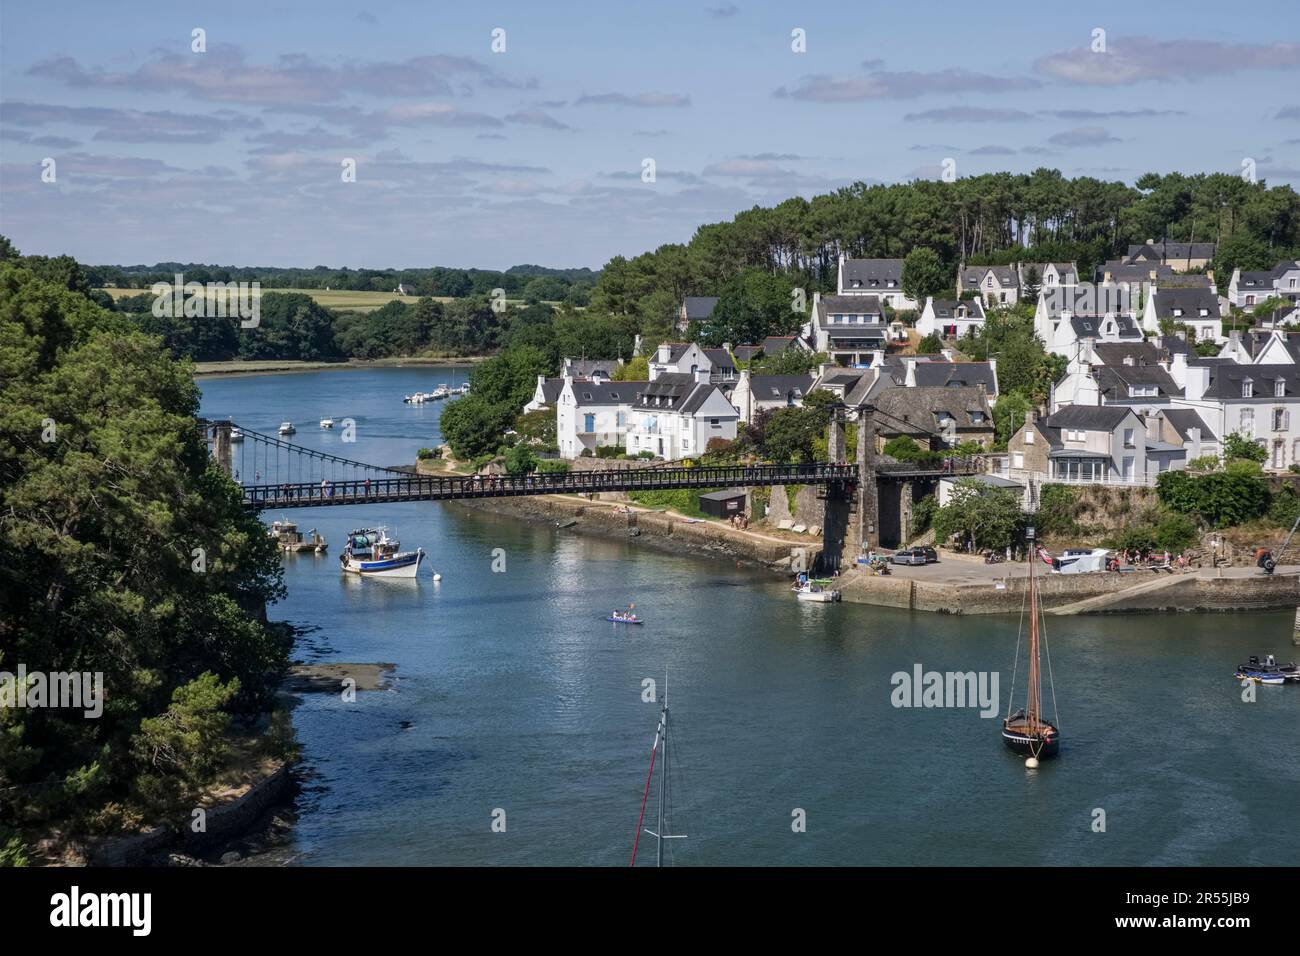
column 624, row 620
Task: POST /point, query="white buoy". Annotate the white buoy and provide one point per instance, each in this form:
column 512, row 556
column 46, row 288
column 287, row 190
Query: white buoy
column 437, row 576
column 1031, row 763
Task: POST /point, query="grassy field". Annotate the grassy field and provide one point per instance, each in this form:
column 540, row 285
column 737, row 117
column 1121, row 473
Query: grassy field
column 333, row 299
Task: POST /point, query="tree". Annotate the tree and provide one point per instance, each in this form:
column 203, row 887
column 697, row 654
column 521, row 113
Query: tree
column 751, row 306
column 637, row 370
column 980, row 515
column 520, row 460
column 1242, row 446
column 791, row 434
column 1009, row 413
column 924, row 274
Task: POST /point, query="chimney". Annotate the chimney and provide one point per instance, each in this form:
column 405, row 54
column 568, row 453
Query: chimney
column 1106, row 278
column 1193, row 439
column 636, row 345
column 726, row 347
column 598, row 378
column 1234, row 340
column 664, row 354
column 909, row 378
column 1178, row 369
column 1153, row 275
column 1128, row 360
column 1198, row 382
column 702, row 375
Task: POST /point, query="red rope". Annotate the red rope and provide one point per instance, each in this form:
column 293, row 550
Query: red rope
column 637, row 839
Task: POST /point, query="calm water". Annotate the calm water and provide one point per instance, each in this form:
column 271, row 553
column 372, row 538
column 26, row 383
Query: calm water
column 514, row 693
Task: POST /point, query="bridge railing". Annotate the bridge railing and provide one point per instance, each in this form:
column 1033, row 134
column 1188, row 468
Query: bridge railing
column 428, row 487
column 954, row 465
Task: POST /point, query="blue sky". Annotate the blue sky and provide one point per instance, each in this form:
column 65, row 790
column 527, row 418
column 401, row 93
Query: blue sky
column 466, row 157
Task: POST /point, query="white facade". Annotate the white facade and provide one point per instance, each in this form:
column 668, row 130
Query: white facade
column 685, row 427
column 950, row 319
column 588, row 415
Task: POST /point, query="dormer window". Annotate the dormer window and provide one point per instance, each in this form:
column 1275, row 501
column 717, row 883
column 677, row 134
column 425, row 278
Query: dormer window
column 1204, row 312
column 1279, row 388
column 1247, row 389
column 1178, row 313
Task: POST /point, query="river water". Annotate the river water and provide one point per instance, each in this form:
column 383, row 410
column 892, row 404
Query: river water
column 515, row 701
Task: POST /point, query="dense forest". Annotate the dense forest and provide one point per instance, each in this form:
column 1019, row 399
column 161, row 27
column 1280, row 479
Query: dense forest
column 132, row 558
column 527, row 281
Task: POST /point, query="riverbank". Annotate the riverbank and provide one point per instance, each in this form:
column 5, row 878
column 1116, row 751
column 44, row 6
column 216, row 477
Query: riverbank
column 281, row 366
column 662, row 530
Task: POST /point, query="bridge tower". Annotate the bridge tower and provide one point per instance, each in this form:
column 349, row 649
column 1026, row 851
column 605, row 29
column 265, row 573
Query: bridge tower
column 867, row 503
column 221, row 444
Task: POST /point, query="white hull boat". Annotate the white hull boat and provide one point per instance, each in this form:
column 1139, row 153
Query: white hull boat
column 385, row 560
column 286, row 428
column 815, row 592
column 327, row 423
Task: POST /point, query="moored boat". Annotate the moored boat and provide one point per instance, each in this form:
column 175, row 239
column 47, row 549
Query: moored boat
column 286, row 428
column 1268, row 671
column 817, row 590
column 386, row 560
column 442, row 391
column 1026, row 731
column 236, row 435
column 290, row 540
column 327, row 423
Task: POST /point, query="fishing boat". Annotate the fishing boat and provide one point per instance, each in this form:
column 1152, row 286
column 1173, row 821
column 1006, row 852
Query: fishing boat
column 386, row 560
column 1268, row 671
column 1025, row 731
column 236, row 435
column 327, row 423
column 659, row 833
column 818, row 590
column 286, row 428
column 361, row 541
column 290, row 540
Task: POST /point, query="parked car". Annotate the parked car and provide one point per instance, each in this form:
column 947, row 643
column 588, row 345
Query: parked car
column 914, row 556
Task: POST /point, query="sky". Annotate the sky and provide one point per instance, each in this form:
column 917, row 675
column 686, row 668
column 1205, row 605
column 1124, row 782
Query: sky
column 492, row 134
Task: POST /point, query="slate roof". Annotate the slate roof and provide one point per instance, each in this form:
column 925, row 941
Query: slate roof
column 915, row 411
column 1115, row 380
column 1226, row 379
column 773, row 388
column 866, row 275
column 1163, row 251
column 721, row 359
column 699, row 307
column 1114, row 353
column 938, row 374
column 745, row 353
column 585, row 368
column 1089, row 326
column 1069, row 272
column 1094, row 418
column 551, row 389
column 674, row 391
column 1251, row 281
column 972, row 277
column 828, row 305
column 776, row 344
column 1190, row 300
column 947, row 309
column 1121, row 271
column 1185, row 419
column 607, row 393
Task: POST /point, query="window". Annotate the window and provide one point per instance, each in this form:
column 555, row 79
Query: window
column 1281, row 419
column 1247, row 389
column 1250, row 300
column 1279, row 387
column 1029, row 436
column 1018, row 459
column 1247, row 421
column 713, row 423
column 588, row 423
column 1178, row 313
column 1128, row 438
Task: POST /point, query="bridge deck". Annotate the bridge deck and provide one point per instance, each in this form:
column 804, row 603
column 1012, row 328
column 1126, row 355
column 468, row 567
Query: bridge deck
column 440, row 488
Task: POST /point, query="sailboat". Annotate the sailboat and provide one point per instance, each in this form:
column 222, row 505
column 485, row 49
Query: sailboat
column 660, row 741
column 1026, row 732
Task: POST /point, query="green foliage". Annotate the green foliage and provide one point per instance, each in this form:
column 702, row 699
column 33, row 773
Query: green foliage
column 1242, row 447
column 924, row 274
column 1008, row 417
column 1176, row 531
column 520, row 460
column 609, row 451
column 538, row 427
column 683, row 500
column 1220, row 499
column 1284, row 507
column 552, row 466
column 984, row 515
column 106, row 517
column 424, row 454
column 793, row 361
column 930, row 345
column 791, row 434
column 181, row 748
column 923, row 513
column 752, row 305
column 636, row 370
column 1057, row 507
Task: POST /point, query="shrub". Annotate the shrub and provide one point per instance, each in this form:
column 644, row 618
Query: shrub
column 520, row 460
column 1242, row 446
column 930, row 345
column 608, row 451
column 923, row 513
column 645, row 455
column 1175, row 531
column 552, row 467
column 1285, row 507
column 424, row 454
column 1057, row 505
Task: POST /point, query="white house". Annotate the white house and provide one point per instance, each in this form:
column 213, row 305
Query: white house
column 545, row 395
column 996, row 285
column 755, row 392
column 848, row 328
column 1196, row 307
column 882, row 278
column 676, row 415
column 591, row 414
column 950, row 318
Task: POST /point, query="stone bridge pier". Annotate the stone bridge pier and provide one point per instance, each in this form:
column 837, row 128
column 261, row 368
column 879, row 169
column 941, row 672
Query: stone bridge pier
column 852, row 515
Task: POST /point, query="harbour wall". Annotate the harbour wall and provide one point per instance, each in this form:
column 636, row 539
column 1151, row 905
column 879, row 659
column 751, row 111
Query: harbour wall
column 1191, row 592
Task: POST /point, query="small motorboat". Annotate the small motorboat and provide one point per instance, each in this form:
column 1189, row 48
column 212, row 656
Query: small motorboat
column 386, row 560
column 286, row 428
column 290, row 540
column 442, row 391
column 817, row 590
column 327, row 423
column 1268, row 671
column 415, row 398
column 236, row 435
